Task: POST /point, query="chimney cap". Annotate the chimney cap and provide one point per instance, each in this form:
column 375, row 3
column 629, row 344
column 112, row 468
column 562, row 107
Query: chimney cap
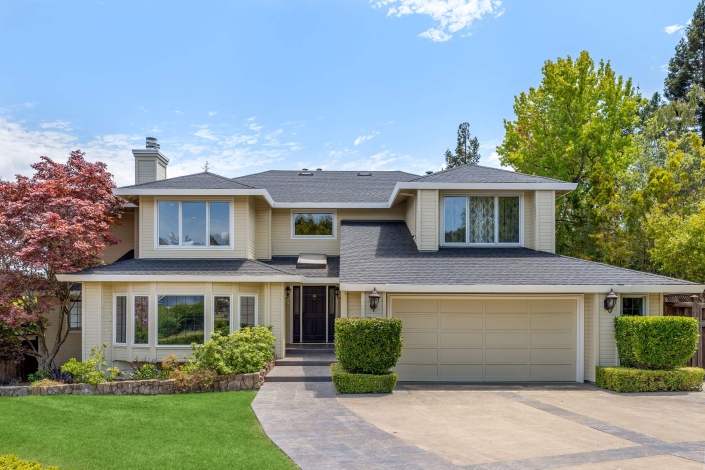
column 152, row 143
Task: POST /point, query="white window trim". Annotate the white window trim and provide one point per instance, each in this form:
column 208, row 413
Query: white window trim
column 127, row 317
column 71, row 305
column 496, row 197
column 232, row 316
column 645, row 304
column 245, row 294
column 156, row 321
column 231, row 224
column 131, row 314
column 314, row 237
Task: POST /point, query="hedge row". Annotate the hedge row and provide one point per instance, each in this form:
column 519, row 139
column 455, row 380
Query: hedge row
column 655, row 342
column 345, row 382
column 627, row 379
column 368, row 345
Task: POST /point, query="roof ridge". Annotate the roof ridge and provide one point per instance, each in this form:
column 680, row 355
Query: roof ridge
column 187, row 176
column 486, row 168
column 225, row 178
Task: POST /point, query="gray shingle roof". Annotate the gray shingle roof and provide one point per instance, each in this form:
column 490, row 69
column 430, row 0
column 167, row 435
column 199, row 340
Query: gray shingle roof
column 481, row 174
column 205, row 267
column 195, row 181
column 327, row 186
column 385, row 253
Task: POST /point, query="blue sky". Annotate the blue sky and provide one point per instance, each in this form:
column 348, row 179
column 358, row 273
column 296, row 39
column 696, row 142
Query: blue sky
column 257, row 85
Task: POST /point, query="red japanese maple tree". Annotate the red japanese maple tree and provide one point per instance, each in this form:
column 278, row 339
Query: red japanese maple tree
column 57, row 221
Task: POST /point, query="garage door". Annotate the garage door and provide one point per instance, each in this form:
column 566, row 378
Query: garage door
column 466, row 339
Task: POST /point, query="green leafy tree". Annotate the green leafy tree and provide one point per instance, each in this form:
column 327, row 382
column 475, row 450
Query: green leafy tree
column 466, row 151
column 576, row 126
column 687, row 66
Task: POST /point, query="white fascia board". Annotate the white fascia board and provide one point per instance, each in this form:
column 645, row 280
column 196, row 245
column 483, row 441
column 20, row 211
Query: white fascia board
column 175, row 278
column 523, row 289
column 320, row 280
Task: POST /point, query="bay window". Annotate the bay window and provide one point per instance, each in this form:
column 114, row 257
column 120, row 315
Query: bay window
column 222, row 314
column 140, row 332
column 481, row 220
column 180, row 320
column 193, row 224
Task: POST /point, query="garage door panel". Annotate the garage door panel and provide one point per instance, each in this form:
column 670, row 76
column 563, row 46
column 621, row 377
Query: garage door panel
column 412, row 371
column 552, row 322
column 507, row 338
column 419, row 355
column 507, row 356
column 402, row 306
column 418, row 321
column 553, row 372
column 464, row 371
column 462, row 306
column 461, row 338
column 558, row 339
column 462, row 322
column 507, row 371
column 507, row 306
column 507, row 322
column 420, row 338
column 553, row 356
column 461, row 355
column 553, row 306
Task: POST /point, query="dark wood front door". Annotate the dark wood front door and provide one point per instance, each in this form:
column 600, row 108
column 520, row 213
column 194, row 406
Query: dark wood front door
column 314, row 314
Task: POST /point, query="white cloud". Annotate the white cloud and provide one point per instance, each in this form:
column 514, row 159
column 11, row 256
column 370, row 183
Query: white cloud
column 179, row 112
column 255, row 127
column 205, row 133
column 251, row 118
column 493, row 161
column 673, row 28
column 143, row 109
column 451, row 16
column 63, row 125
column 664, row 68
column 212, row 113
column 365, row 138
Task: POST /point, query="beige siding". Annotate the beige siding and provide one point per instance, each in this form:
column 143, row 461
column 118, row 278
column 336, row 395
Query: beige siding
column 251, row 227
column 608, row 347
column 92, row 316
column 410, row 215
column 529, row 220
column 71, row 347
column 655, row 305
column 354, row 305
column 546, row 221
column 146, row 171
column 137, row 232
column 147, row 232
column 276, row 316
column 161, row 171
column 589, row 336
column 428, row 225
column 284, row 245
column 125, row 231
column 263, row 239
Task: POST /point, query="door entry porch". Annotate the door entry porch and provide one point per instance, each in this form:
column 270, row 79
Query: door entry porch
column 314, row 312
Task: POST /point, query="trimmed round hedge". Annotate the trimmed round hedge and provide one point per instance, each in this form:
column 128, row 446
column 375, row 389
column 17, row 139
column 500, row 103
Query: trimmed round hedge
column 655, row 342
column 368, row 345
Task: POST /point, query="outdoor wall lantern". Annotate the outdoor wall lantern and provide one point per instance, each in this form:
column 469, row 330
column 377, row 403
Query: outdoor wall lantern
column 288, row 292
column 610, row 301
column 374, row 299
column 337, row 292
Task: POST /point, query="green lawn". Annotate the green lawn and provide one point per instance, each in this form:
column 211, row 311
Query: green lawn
column 206, row 430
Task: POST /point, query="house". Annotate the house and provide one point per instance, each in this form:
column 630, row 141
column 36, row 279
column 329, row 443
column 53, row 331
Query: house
column 465, row 257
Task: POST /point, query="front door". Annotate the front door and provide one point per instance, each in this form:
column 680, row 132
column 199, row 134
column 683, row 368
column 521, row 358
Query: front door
column 314, row 314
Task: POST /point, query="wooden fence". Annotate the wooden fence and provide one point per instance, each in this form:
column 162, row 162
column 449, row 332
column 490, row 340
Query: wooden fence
column 684, row 305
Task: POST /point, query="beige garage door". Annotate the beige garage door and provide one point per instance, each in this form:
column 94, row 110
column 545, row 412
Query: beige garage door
column 466, row 339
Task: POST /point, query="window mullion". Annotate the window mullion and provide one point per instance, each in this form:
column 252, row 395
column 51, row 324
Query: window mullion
column 181, row 239
column 208, row 223
column 467, row 220
column 496, row 220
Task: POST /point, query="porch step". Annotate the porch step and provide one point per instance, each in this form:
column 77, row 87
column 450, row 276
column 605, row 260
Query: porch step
column 293, row 359
column 310, row 349
column 299, row 374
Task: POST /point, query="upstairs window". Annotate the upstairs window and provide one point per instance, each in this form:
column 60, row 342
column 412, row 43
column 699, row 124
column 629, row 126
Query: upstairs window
column 313, row 225
column 481, row 220
column 193, row 224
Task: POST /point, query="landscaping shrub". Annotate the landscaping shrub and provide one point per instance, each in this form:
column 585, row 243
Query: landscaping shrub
column 655, row 342
column 627, row 379
column 41, row 374
column 12, row 462
column 148, row 371
column 368, row 345
column 346, row 382
column 246, row 350
column 90, row 371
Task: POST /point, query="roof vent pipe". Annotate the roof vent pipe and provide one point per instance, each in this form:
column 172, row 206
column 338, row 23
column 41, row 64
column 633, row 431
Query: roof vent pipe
column 429, row 172
column 319, row 169
column 304, row 169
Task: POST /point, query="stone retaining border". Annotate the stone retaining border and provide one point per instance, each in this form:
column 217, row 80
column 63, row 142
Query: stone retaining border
column 223, row 383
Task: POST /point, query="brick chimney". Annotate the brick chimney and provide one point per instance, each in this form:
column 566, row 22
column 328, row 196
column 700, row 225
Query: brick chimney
column 150, row 163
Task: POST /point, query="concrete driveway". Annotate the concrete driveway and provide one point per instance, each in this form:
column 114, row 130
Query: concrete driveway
column 537, row 427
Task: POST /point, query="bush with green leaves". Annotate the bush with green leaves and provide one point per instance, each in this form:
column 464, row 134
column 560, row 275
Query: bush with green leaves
column 91, row 370
column 346, row 382
column 655, row 342
column 13, row 462
column 245, row 351
column 368, row 345
column 632, row 380
column 40, row 375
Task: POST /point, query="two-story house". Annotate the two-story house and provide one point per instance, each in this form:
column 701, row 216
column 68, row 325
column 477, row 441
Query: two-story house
column 465, row 257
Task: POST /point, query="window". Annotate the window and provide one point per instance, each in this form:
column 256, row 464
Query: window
column 481, row 220
column 248, row 310
column 633, row 306
column 222, row 314
column 75, row 315
column 180, row 320
column 189, row 224
column 140, row 334
column 120, row 319
column 314, row 224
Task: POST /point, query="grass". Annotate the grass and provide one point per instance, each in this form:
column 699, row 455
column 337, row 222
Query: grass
column 203, row 430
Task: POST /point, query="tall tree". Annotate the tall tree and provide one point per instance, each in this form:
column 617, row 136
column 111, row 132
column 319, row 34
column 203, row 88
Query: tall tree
column 576, row 126
column 58, row 221
column 467, row 149
column 687, row 67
